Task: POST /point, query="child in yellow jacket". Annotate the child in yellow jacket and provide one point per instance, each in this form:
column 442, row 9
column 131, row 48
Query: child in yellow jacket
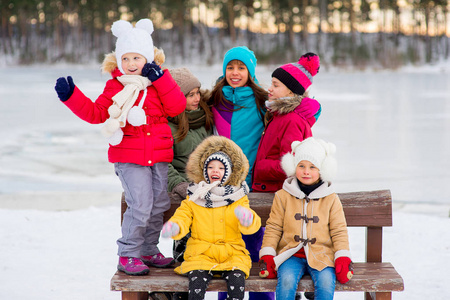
column 217, row 212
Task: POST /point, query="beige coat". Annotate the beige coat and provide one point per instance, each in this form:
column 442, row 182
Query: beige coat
column 285, row 228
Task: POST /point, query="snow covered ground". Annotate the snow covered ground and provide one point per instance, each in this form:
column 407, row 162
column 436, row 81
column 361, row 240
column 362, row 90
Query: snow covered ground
column 59, row 197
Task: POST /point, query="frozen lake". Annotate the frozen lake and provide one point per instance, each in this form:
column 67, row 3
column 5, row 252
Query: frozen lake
column 391, row 129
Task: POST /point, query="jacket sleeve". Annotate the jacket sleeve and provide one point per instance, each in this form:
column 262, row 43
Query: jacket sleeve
column 310, row 109
column 174, row 178
column 338, row 229
column 172, row 99
column 91, row 112
column 269, row 169
column 274, row 227
column 183, row 217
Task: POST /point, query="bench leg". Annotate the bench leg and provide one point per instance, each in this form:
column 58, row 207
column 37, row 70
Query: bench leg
column 134, row 295
column 378, row 296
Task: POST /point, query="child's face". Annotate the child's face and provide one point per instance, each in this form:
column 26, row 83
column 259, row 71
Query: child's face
column 132, row 63
column 307, row 173
column 215, row 170
column 193, row 99
column 236, row 73
column 278, row 90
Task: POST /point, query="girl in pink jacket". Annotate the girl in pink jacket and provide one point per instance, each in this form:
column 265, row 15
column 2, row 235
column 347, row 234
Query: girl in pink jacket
column 134, row 106
column 290, row 116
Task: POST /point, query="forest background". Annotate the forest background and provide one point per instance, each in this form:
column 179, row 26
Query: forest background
column 345, row 33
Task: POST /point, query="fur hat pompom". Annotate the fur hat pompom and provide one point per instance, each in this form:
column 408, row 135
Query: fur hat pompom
column 145, row 24
column 121, row 28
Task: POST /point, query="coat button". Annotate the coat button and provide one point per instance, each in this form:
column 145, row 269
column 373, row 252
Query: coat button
column 297, row 238
column 149, row 162
column 148, row 133
column 263, row 187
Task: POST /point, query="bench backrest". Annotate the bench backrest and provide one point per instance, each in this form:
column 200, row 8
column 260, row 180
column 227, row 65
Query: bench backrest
column 371, row 209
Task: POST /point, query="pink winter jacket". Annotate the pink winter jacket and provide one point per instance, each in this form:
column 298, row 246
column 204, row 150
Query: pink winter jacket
column 290, row 122
column 146, row 144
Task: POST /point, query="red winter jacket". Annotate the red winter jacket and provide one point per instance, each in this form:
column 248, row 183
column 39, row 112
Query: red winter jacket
column 291, row 121
column 144, row 145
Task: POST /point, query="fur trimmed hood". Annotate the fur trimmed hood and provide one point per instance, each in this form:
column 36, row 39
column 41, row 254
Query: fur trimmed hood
column 109, row 64
column 285, row 105
column 210, row 145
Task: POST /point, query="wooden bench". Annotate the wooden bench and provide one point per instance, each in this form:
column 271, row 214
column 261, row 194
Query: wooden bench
column 378, row 279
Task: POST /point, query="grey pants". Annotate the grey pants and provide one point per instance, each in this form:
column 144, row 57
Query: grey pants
column 147, row 199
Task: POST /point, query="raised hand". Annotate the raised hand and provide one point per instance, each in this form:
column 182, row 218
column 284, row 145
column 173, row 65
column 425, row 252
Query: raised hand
column 152, row 71
column 64, row 88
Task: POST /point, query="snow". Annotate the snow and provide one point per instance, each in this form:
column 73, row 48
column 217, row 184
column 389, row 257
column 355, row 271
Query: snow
column 60, row 198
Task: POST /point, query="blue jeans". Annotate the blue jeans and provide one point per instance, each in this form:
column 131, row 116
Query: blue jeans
column 291, row 271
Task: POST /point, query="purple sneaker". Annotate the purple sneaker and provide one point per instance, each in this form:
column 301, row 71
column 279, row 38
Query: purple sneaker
column 158, row 260
column 132, row 266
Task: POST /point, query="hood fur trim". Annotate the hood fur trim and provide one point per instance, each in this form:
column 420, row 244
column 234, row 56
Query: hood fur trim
column 110, row 62
column 286, row 105
column 194, row 166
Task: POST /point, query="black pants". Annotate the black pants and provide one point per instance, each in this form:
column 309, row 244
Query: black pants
column 199, row 280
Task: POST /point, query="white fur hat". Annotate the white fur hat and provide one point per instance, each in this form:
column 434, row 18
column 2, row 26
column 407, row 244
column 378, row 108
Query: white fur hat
column 316, row 151
column 133, row 39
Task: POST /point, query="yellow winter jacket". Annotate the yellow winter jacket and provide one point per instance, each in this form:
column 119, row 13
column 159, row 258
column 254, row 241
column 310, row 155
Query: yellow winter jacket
column 216, row 242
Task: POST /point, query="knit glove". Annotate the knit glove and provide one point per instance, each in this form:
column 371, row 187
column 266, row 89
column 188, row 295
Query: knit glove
column 267, row 267
column 244, row 215
column 170, row 229
column 64, row 88
column 344, row 269
column 181, row 189
column 152, row 71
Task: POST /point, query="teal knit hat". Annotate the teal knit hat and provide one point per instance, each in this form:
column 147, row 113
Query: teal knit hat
column 243, row 54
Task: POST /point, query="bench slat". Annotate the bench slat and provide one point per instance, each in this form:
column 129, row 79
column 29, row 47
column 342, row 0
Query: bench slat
column 368, row 277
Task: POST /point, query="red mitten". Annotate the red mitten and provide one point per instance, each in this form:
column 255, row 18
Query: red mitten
column 344, row 269
column 267, row 266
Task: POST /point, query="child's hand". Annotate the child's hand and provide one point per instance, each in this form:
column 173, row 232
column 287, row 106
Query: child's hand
column 152, row 71
column 170, row 229
column 244, row 215
column 267, row 266
column 344, row 269
column 64, row 88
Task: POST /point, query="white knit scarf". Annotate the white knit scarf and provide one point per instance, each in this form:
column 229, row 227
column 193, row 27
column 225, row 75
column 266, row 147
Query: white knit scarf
column 123, row 108
column 212, row 195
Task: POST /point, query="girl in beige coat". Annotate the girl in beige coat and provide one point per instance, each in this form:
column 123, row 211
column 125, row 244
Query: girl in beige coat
column 306, row 231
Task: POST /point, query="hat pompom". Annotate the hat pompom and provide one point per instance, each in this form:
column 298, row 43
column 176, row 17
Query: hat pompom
column 328, row 169
column 145, row 24
column 288, row 164
column 310, row 62
column 121, row 27
column 294, row 145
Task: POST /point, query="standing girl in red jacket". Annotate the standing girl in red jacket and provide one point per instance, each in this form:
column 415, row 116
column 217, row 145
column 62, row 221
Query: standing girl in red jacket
column 135, row 105
column 290, row 116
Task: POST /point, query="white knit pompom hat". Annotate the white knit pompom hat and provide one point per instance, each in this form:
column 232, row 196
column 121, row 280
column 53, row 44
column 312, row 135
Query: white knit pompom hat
column 133, row 39
column 316, row 151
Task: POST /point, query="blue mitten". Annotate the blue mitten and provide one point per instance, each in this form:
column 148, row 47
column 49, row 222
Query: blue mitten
column 64, row 88
column 152, row 71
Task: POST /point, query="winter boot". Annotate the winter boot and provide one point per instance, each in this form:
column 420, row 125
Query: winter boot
column 309, row 295
column 132, row 266
column 158, row 260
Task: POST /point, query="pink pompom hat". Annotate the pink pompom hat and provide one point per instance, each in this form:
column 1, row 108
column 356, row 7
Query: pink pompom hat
column 298, row 76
